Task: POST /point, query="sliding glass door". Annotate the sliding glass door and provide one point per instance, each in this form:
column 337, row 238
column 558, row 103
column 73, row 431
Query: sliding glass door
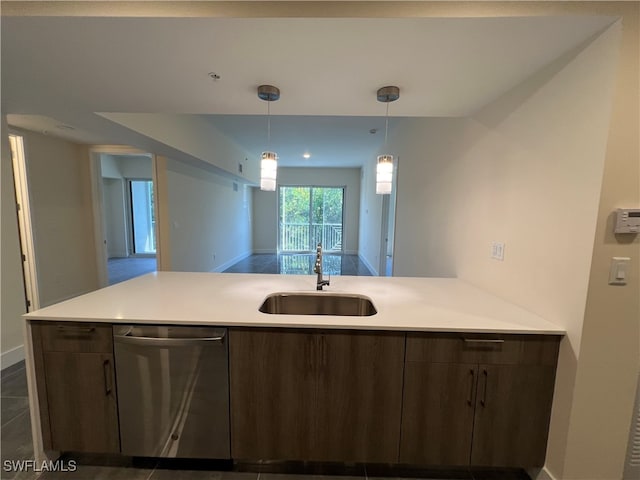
column 308, row 216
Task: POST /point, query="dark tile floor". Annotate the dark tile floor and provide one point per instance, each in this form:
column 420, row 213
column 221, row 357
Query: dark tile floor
column 15, row 433
column 121, row 269
column 300, row 264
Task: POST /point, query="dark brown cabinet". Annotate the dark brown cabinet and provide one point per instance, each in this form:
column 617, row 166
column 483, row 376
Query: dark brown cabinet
column 438, row 411
column 512, row 415
column 78, row 372
column 315, row 394
column 330, row 395
column 479, row 400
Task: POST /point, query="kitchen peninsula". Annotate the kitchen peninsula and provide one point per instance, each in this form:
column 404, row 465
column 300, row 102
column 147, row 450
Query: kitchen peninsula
column 440, row 359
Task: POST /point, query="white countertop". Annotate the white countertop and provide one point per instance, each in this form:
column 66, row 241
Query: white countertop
column 233, row 299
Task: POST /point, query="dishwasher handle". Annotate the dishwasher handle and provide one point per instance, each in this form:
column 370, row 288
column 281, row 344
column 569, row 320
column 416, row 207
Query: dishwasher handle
column 170, row 342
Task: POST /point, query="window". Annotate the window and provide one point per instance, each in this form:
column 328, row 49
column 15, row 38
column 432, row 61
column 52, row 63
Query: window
column 308, row 216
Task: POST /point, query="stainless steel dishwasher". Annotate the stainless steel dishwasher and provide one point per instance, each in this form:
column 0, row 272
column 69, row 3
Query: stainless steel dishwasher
column 173, row 391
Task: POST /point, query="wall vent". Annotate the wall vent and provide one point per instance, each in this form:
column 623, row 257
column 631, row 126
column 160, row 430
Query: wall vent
column 632, row 466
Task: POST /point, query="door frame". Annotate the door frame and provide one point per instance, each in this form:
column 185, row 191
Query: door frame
column 97, row 201
column 23, row 211
column 311, row 187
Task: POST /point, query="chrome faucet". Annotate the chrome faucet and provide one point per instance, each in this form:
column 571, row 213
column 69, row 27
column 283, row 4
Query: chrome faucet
column 318, row 269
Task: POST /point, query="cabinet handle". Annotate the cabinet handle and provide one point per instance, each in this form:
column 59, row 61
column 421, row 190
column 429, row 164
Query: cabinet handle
column 170, row 342
column 471, row 383
column 483, row 402
column 106, row 370
column 74, row 329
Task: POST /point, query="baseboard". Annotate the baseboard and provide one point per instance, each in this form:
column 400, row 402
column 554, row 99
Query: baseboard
column 233, row 261
column 540, row 474
column 11, row 357
column 374, row 271
column 270, row 251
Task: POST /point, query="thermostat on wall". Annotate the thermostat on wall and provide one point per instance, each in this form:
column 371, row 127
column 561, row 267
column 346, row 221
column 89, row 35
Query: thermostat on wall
column 627, row 220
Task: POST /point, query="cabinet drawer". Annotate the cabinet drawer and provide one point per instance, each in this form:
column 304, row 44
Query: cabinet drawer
column 481, row 348
column 76, row 337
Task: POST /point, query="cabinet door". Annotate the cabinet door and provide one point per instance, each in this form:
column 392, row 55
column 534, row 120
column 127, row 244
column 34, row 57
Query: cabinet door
column 437, row 414
column 273, row 381
column 359, row 396
column 513, row 408
column 81, row 395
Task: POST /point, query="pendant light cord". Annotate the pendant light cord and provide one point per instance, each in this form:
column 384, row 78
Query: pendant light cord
column 268, row 123
column 386, row 124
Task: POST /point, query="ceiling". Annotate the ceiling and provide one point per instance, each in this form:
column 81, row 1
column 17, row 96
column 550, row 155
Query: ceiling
column 62, row 70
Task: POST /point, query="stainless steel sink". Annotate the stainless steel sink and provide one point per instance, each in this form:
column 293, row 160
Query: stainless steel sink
column 300, row 303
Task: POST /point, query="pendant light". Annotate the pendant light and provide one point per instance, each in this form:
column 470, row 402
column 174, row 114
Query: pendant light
column 384, row 165
column 268, row 159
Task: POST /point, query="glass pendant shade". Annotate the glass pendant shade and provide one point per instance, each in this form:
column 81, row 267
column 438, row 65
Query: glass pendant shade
column 384, row 167
column 268, row 171
column 384, row 174
column 268, row 160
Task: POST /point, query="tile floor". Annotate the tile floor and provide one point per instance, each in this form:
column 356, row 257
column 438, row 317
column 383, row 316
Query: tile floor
column 300, row 264
column 15, row 431
column 16, row 445
column 121, row 269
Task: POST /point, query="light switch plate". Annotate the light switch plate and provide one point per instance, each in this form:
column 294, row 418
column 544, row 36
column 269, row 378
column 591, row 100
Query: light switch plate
column 619, row 270
column 497, row 250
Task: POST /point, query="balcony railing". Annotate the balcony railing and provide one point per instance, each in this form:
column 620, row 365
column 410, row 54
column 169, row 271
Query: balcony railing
column 303, row 237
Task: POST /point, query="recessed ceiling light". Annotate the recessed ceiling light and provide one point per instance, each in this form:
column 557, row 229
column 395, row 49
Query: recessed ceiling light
column 306, row 155
column 214, row 76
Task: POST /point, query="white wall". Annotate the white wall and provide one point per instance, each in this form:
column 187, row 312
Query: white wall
column 527, row 171
column 609, row 361
column 370, row 218
column 11, row 283
column 62, row 217
column 110, row 167
column 115, row 221
column 265, row 221
column 135, row 166
column 196, row 137
column 265, row 213
column 206, row 217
